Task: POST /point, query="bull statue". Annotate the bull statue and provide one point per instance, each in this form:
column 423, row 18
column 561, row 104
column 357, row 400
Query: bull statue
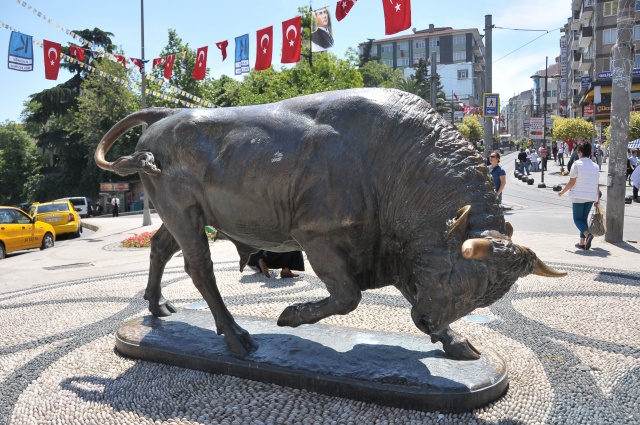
column 372, row 184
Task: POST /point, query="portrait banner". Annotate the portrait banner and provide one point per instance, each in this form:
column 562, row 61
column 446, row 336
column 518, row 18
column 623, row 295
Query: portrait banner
column 321, row 31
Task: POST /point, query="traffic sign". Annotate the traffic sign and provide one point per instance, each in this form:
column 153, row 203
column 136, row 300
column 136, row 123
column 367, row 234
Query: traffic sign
column 490, row 104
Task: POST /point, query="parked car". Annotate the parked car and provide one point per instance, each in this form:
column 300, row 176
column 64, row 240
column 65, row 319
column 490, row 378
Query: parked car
column 20, row 231
column 83, row 205
column 60, row 214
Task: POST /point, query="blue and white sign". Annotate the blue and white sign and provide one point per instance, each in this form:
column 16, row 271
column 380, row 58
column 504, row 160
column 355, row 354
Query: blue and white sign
column 609, row 74
column 585, row 82
column 20, row 52
column 490, row 104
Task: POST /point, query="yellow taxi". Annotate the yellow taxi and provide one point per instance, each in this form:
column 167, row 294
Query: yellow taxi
column 60, row 214
column 19, row 231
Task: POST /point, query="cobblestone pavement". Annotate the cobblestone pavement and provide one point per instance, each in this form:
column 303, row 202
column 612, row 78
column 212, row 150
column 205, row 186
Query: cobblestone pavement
column 572, row 346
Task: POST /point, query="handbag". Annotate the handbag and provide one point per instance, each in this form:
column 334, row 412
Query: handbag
column 596, row 222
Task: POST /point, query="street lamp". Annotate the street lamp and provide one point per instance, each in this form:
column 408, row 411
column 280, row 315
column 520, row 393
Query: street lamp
column 536, row 77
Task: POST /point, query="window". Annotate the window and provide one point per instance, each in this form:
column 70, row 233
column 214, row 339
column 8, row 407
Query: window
column 610, row 8
column 636, row 62
column 388, row 62
column 609, row 36
column 637, row 5
column 387, row 48
column 402, row 46
column 402, row 62
column 636, row 32
column 434, row 42
column 459, row 39
column 463, row 74
column 420, row 44
column 459, row 56
column 418, row 56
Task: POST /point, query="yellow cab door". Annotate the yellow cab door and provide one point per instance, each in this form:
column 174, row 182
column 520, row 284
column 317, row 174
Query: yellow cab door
column 29, row 237
column 10, row 232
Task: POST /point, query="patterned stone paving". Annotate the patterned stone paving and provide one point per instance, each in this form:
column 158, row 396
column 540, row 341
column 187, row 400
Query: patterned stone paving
column 572, row 346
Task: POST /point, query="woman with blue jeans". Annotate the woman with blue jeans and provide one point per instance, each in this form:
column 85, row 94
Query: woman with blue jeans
column 584, row 192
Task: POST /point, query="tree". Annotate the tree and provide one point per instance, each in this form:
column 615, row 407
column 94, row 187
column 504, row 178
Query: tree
column 377, row 74
column 471, row 128
column 18, row 162
column 634, row 129
column 571, row 129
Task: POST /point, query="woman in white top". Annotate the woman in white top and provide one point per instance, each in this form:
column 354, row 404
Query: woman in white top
column 583, row 187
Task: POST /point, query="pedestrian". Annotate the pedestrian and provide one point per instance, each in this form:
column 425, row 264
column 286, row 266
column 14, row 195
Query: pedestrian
column 522, row 159
column 583, row 187
column 561, row 154
column 498, row 174
column 544, row 156
column 635, row 181
column 554, row 150
column 528, row 164
column 632, row 163
column 115, row 203
column 597, row 155
column 262, row 261
column 534, row 161
column 98, row 209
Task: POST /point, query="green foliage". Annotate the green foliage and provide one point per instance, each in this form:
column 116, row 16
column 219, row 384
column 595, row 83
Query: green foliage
column 571, row 128
column 377, row 74
column 18, row 162
column 471, row 128
column 634, row 129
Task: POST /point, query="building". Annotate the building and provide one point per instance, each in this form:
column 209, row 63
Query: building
column 459, row 58
column 591, row 33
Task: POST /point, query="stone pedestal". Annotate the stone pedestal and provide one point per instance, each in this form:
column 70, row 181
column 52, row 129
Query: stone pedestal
column 398, row 370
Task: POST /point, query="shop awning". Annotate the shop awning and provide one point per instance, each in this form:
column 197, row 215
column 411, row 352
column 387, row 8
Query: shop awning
column 635, row 144
column 588, row 98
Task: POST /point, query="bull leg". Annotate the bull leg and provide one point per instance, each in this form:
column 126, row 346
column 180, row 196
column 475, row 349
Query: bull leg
column 344, row 294
column 455, row 345
column 195, row 247
column 163, row 247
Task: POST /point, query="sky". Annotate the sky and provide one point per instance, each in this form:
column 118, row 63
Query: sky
column 517, row 54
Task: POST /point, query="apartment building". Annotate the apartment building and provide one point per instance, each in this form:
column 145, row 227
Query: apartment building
column 459, row 58
column 590, row 34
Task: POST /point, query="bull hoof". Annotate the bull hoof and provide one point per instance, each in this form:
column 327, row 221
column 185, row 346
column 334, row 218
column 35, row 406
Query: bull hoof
column 461, row 350
column 163, row 310
column 239, row 341
column 290, row 316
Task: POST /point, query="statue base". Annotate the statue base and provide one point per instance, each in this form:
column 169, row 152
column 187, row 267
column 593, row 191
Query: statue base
column 398, row 370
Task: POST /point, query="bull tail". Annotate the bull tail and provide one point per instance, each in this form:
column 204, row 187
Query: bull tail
column 139, row 161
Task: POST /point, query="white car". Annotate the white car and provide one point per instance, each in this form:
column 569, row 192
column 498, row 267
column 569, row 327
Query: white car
column 84, row 206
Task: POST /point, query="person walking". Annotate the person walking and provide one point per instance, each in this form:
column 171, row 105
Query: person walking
column 115, row 203
column 522, row 159
column 498, row 174
column 635, row 181
column 561, row 154
column 584, row 192
column 534, row 162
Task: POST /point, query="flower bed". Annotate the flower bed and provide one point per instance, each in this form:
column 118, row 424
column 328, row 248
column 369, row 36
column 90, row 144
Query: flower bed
column 143, row 240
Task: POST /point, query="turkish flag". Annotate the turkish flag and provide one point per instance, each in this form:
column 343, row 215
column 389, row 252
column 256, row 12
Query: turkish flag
column 137, row 62
column 456, row 97
column 291, row 40
column 264, row 51
column 168, row 66
column 51, row 59
column 121, row 59
column 222, row 45
column 343, row 7
column 77, row 52
column 397, row 15
column 200, row 67
column 156, row 62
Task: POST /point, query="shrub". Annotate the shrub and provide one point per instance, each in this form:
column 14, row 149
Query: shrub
column 143, row 240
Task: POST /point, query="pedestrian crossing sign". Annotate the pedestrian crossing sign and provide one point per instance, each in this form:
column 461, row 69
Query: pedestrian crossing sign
column 490, row 104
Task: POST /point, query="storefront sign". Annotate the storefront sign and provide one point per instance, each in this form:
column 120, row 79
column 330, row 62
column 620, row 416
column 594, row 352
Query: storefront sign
column 587, row 111
column 585, row 82
column 603, row 112
column 609, row 74
column 114, row 187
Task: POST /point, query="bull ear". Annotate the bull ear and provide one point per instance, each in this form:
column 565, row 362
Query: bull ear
column 476, row 249
column 509, row 229
column 459, row 228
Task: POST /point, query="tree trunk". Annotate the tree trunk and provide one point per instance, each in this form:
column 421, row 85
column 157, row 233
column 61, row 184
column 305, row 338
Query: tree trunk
column 621, row 68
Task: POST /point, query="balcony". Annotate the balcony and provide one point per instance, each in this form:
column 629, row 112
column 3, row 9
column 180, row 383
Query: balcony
column 586, row 35
column 577, row 58
column 575, row 40
column 587, row 11
column 576, row 24
column 585, row 64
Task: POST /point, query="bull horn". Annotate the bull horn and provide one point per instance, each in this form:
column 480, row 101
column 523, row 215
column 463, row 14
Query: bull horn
column 459, row 228
column 509, row 228
column 476, row 249
column 541, row 269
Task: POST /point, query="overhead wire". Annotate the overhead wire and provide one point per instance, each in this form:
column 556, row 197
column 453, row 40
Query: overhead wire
column 520, row 29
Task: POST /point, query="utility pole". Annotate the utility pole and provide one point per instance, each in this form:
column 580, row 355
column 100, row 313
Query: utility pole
column 488, row 122
column 146, row 214
column 621, row 67
column 433, row 85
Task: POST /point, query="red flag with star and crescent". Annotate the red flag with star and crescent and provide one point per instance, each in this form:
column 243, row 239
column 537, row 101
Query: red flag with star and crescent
column 200, row 67
column 222, row 45
column 291, row 40
column 397, row 15
column 121, row 59
column 51, row 59
column 168, row 65
column 137, row 62
column 343, row 7
column 156, row 62
column 77, row 52
column 264, row 50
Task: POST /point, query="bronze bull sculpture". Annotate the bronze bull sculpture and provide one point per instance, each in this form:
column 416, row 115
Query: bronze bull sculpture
column 372, row 184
